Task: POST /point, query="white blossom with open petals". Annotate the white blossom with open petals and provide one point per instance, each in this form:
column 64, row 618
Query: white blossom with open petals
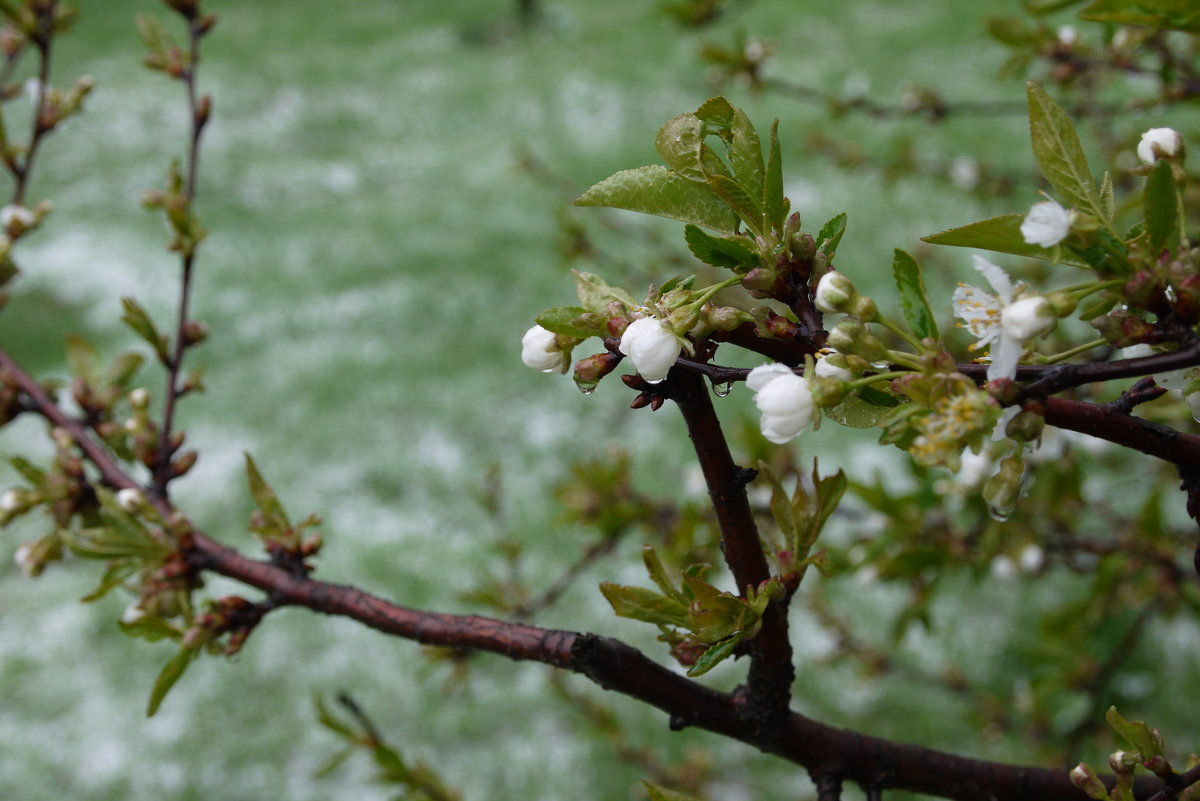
column 1046, row 224
column 785, row 400
column 1004, row 321
column 652, row 346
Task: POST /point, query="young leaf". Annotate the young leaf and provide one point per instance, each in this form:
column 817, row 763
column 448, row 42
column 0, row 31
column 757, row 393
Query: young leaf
column 663, row 794
column 1136, row 733
column 678, row 145
column 1058, row 152
column 1180, row 15
column 738, row 198
column 151, row 628
column 565, row 320
column 1108, row 203
column 29, row 471
column 830, row 235
column 645, row 605
column 1001, row 235
column 170, row 674
column 658, row 574
column 1160, row 206
column 730, row 252
column 913, row 302
column 658, row 191
column 82, row 356
column 746, row 158
column 264, row 497
column 114, row 575
column 774, row 203
column 595, row 294
column 136, row 318
column 714, row 656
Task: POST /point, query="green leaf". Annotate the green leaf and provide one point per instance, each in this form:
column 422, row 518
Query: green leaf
column 565, row 320
column 857, row 413
column 1180, row 15
column 877, row 397
column 658, row 574
column 265, row 497
column 1058, row 152
column 29, row 471
column 829, row 492
column 645, row 605
column 595, row 294
column 1000, row 235
column 137, row 319
column 830, row 235
column 1108, row 203
column 678, row 145
column 1136, row 733
column 729, row 252
column 1160, row 206
column 662, row 794
column 738, row 198
column 151, row 628
column 170, row 674
column 329, row 720
column 658, row 191
column 114, row 576
column 714, row 656
column 717, row 112
column 746, row 158
column 82, row 356
column 1103, row 305
column 913, row 301
column 775, row 205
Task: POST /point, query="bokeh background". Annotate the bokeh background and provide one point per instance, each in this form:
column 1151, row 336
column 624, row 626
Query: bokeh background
column 387, row 189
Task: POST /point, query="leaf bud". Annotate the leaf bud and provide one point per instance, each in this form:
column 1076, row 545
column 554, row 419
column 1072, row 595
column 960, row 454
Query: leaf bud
column 589, row 371
column 184, row 463
column 1063, row 303
column 194, row 332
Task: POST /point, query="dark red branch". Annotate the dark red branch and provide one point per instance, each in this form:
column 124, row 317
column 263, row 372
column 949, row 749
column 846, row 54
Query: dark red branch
column 771, row 669
column 1153, row 439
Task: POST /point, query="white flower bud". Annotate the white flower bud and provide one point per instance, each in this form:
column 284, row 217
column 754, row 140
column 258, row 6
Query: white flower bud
column 22, row 557
column 539, row 350
column 652, row 346
column 785, row 400
column 835, row 293
column 139, row 398
column 1159, row 143
column 826, row 369
column 1046, row 224
column 1067, row 35
column 1031, row 558
column 1027, row 318
column 10, row 501
column 133, row 613
column 130, row 499
column 19, row 214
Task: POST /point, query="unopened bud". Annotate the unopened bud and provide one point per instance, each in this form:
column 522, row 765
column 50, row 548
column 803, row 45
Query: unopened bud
column 1187, row 299
column 130, row 499
column 852, row 336
column 184, row 463
column 1063, row 303
column 139, row 399
column 835, row 293
column 1160, row 143
column 1026, row 427
column 1083, row 777
column 194, row 332
column 589, row 371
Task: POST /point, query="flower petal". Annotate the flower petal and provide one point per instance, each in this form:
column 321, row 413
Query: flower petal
column 996, row 277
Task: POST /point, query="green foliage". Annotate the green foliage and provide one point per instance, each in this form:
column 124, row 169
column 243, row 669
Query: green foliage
column 1160, row 205
column 712, row 618
column 658, row 191
column 913, row 302
column 171, row 673
column 1059, row 154
column 1001, row 235
column 1180, row 15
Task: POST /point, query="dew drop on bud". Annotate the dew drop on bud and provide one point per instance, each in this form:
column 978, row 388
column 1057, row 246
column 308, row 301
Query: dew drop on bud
column 723, row 389
column 586, row 389
column 998, row 513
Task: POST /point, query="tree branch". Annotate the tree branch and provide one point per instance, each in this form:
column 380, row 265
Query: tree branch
column 611, row 664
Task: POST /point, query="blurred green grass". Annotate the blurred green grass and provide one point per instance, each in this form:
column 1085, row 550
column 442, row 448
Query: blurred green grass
column 376, row 253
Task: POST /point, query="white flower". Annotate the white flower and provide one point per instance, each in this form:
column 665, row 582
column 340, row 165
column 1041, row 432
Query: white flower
column 1008, row 319
column 1031, row 558
column 539, row 350
column 835, row 292
column 1067, row 35
column 133, row 613
column 22, row 558
column 10, row 501
column 652, row 346
column 130, row 499
column 1159, row 143
column 785, row 400
column 826, row 369
column 20, row 214
column 1046, row 224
